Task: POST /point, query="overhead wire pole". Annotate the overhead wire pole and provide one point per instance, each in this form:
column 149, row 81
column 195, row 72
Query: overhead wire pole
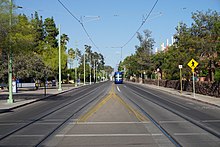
column 59, row 88
column 90, row 76
column 76, row 64
column 84, row 64
column 10, row 97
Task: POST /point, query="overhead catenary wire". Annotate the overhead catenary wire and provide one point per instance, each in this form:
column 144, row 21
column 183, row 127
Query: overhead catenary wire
column 143, row 22
column 80, row 22
column 69, row 12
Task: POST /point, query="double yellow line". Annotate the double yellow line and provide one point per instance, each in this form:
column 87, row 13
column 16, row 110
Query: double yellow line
column 111, row 94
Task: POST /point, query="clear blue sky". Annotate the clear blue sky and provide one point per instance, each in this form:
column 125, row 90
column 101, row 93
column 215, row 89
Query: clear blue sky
column 119, row 19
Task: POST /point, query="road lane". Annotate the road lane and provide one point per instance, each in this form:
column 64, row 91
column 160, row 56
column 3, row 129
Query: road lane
column 168, row 111
column 44, row 117
column 111, row 122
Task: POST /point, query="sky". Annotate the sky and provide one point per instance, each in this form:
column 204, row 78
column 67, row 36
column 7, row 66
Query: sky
column 111, row 23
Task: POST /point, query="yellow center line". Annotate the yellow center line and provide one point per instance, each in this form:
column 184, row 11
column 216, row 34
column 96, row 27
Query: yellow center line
column 111, row 94
column 94, row 109
column 139, row 116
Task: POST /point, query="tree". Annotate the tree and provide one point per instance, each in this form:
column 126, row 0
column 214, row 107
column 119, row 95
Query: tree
column 29, row 66
column 64, row 41
column 108, row 69
column 51, row 32
column 22, row 37
column 144, row 51
column 39, row 32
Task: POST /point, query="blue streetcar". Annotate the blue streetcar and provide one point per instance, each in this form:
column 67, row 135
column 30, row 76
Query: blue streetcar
column 118, row 77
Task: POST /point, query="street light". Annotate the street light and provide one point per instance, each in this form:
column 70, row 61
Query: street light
column 10, row 97
column 90, row 76
column 94, row 70
column 84, row 76
column 60, row 88
column 76, row 64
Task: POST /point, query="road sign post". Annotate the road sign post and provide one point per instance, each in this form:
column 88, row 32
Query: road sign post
column 193, row 84
column 181, row 85
column 193, row 64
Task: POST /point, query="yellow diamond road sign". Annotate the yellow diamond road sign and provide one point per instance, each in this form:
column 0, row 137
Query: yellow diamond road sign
column 192, row 64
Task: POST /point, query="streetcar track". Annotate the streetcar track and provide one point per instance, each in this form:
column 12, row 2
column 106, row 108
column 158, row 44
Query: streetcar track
column 65, row 121
column 172, row 139
column 197, row 123
column 35, row 121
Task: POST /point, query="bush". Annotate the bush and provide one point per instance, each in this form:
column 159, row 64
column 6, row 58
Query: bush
column 217, row 74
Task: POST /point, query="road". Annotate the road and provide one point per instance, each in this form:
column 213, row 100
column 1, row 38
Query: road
column 106, row 114
column 189, row 122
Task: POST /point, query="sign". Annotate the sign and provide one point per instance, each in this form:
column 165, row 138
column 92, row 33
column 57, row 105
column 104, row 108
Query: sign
column 180, row 66
column 14, row 86
column 192, row 64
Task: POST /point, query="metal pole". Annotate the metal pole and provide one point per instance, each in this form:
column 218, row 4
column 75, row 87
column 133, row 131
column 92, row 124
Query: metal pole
column 94, row 71
column 84, row 76
column 158, row 82
column 181, row 82
column 90, row 76
column 60, row 88
column 76, row 65
column 79, row 78
column 193, row 84
column 10, row 97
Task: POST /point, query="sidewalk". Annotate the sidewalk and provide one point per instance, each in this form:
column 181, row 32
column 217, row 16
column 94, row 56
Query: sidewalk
column 198, row 97
column 26, row 96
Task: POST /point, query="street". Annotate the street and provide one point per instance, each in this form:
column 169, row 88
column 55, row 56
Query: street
column 107, row 114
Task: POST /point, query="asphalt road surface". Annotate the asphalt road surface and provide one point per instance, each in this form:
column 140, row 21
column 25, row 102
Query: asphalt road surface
column 106, row 114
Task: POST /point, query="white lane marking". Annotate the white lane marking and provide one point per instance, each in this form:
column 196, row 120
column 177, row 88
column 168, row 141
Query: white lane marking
column 104, row 135
column 47, row 123
column 210, row 121
column 118, row 89
column 88, row 123
column 189, row 134
column 29, row 135
column 172, row 121
column 11, row 124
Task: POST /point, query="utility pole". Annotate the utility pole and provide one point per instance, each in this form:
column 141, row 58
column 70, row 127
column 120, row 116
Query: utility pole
column 84, row 75
column 181, row 85
column 90, row 76
column 76, row 65
column 94, row 71
column 10, row 97
column 60, row 88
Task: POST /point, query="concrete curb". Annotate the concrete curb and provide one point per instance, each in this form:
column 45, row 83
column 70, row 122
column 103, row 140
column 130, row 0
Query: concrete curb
column 3, row 110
